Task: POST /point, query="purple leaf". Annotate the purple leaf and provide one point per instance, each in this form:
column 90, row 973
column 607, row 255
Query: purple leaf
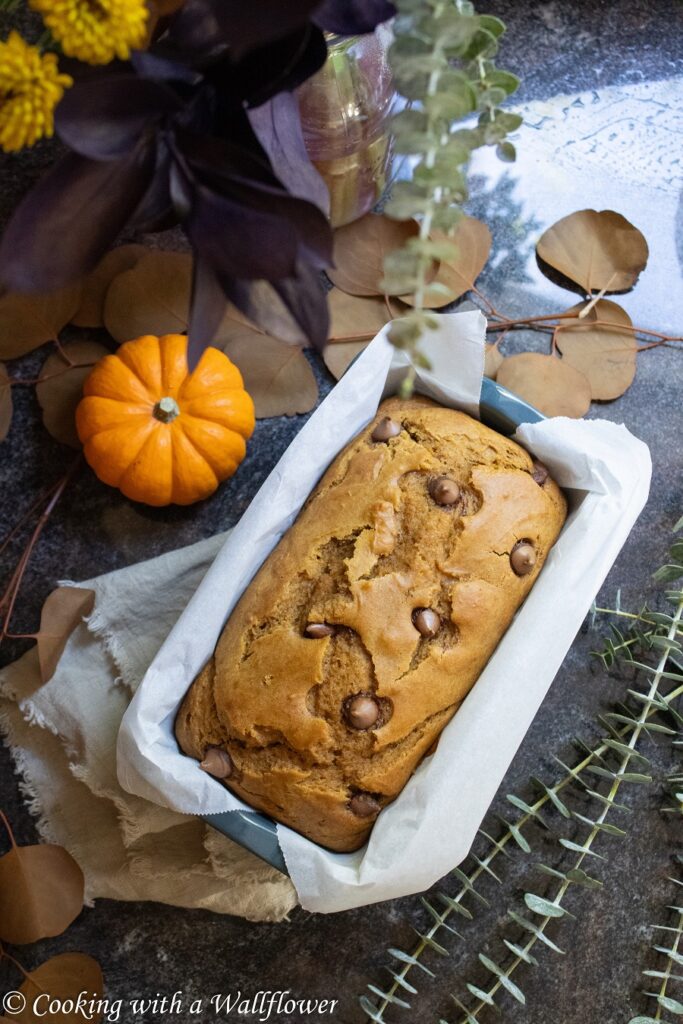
column 208, row 26
column 303, row 296
column 70, row 219
column 160, row 69
column 283, row 64
column 104, row 118
column 241, row 218
column 277, row 125
column 353, row 17
column 207, row 308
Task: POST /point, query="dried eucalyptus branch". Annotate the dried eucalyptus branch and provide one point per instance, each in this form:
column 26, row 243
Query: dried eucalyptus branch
column 443, row 64
column 650, row 631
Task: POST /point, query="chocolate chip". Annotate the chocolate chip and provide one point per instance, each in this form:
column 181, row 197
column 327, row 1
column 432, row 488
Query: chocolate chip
column 217, row 762
column 364, row 805
column 316, row 630
column 540, row 473
column 426, row 622
column 444, row 491
column 385, row 429
column 361, row 711
column 523, row 558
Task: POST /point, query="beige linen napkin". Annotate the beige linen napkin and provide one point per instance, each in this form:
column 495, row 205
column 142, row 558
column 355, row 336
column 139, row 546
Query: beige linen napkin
column 62, row 736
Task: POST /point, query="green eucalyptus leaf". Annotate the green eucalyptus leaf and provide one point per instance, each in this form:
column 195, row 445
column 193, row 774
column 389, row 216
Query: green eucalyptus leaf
column 543, row 907
column 389, row 996
column 579, row 877
column 504, row 80
column 576, row 848
column 523, row 954
column 670, row 1004
column 431, row 942
column 479, row 994
column 408, row 958
column 492, row 24
column 506, row 152
column 482, row 44
column 529, row 926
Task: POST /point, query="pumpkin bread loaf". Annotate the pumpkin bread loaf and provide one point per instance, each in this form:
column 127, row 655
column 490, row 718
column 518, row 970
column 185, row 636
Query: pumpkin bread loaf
column 366, row 627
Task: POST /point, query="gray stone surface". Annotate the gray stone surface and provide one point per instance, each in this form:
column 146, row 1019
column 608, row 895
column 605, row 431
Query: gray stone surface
column 602, row 55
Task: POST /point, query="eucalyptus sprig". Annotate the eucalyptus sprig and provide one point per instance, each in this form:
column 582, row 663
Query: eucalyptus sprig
column 443, row 63
column 672, row 954
column 651, row 709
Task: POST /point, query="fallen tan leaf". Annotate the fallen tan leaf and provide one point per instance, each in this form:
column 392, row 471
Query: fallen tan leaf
column 549, row 384
column 96, row 284
column 41, row 893
column 458, row 274
column 277, row 375
column 27, row 321
column 360, row 249
column 353, row 315
column 492, row 361
column 61, row 613
column 599, row 250
column 606, row 356
column 5, row 402
column 62, row 978
column 153, row 297
column 339, row 357
column 60, row 387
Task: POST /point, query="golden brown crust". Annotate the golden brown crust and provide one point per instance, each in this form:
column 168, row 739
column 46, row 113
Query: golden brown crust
column 369, row 548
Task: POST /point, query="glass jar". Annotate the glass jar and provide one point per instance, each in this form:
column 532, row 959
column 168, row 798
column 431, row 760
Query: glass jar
column 345, row 112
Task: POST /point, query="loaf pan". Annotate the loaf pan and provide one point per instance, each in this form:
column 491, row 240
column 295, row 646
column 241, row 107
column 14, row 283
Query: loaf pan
column 502, row 411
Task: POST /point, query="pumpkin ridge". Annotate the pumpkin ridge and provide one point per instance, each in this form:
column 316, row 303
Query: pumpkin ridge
column 145, row 430
column 202, row 435
column 137, row 353
column 241, row 422
column 151, row 440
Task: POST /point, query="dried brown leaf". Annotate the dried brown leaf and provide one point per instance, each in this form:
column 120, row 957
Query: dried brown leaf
column 458, row 274
column 27, row 321
column 277, row 375
column 41, row 892
column 599, row 250
column 492, row 361
column 355, row 315
column 153, row 297
column 549, row 384
column 62, row 612
column 339, row 357
column 360, row 249
column 60, row 387
column 91, row 310
column 5, row 402
column 62, row 978
column 605, row 355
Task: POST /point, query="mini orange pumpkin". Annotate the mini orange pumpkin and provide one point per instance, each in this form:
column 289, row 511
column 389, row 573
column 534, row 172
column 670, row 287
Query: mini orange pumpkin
column 158, row 433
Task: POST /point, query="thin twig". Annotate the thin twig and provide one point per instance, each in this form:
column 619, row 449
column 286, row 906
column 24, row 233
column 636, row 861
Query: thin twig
column 12, row 590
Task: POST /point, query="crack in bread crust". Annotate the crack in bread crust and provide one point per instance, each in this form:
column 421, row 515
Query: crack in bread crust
column 370, row 548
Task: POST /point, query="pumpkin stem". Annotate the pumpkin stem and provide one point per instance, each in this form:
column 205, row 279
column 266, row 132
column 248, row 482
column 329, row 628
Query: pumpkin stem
column 166, row 410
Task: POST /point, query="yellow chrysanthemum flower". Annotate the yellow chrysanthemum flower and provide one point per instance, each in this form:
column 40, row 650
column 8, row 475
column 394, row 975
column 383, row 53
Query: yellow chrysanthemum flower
column 30, row 88
column 95, row 31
